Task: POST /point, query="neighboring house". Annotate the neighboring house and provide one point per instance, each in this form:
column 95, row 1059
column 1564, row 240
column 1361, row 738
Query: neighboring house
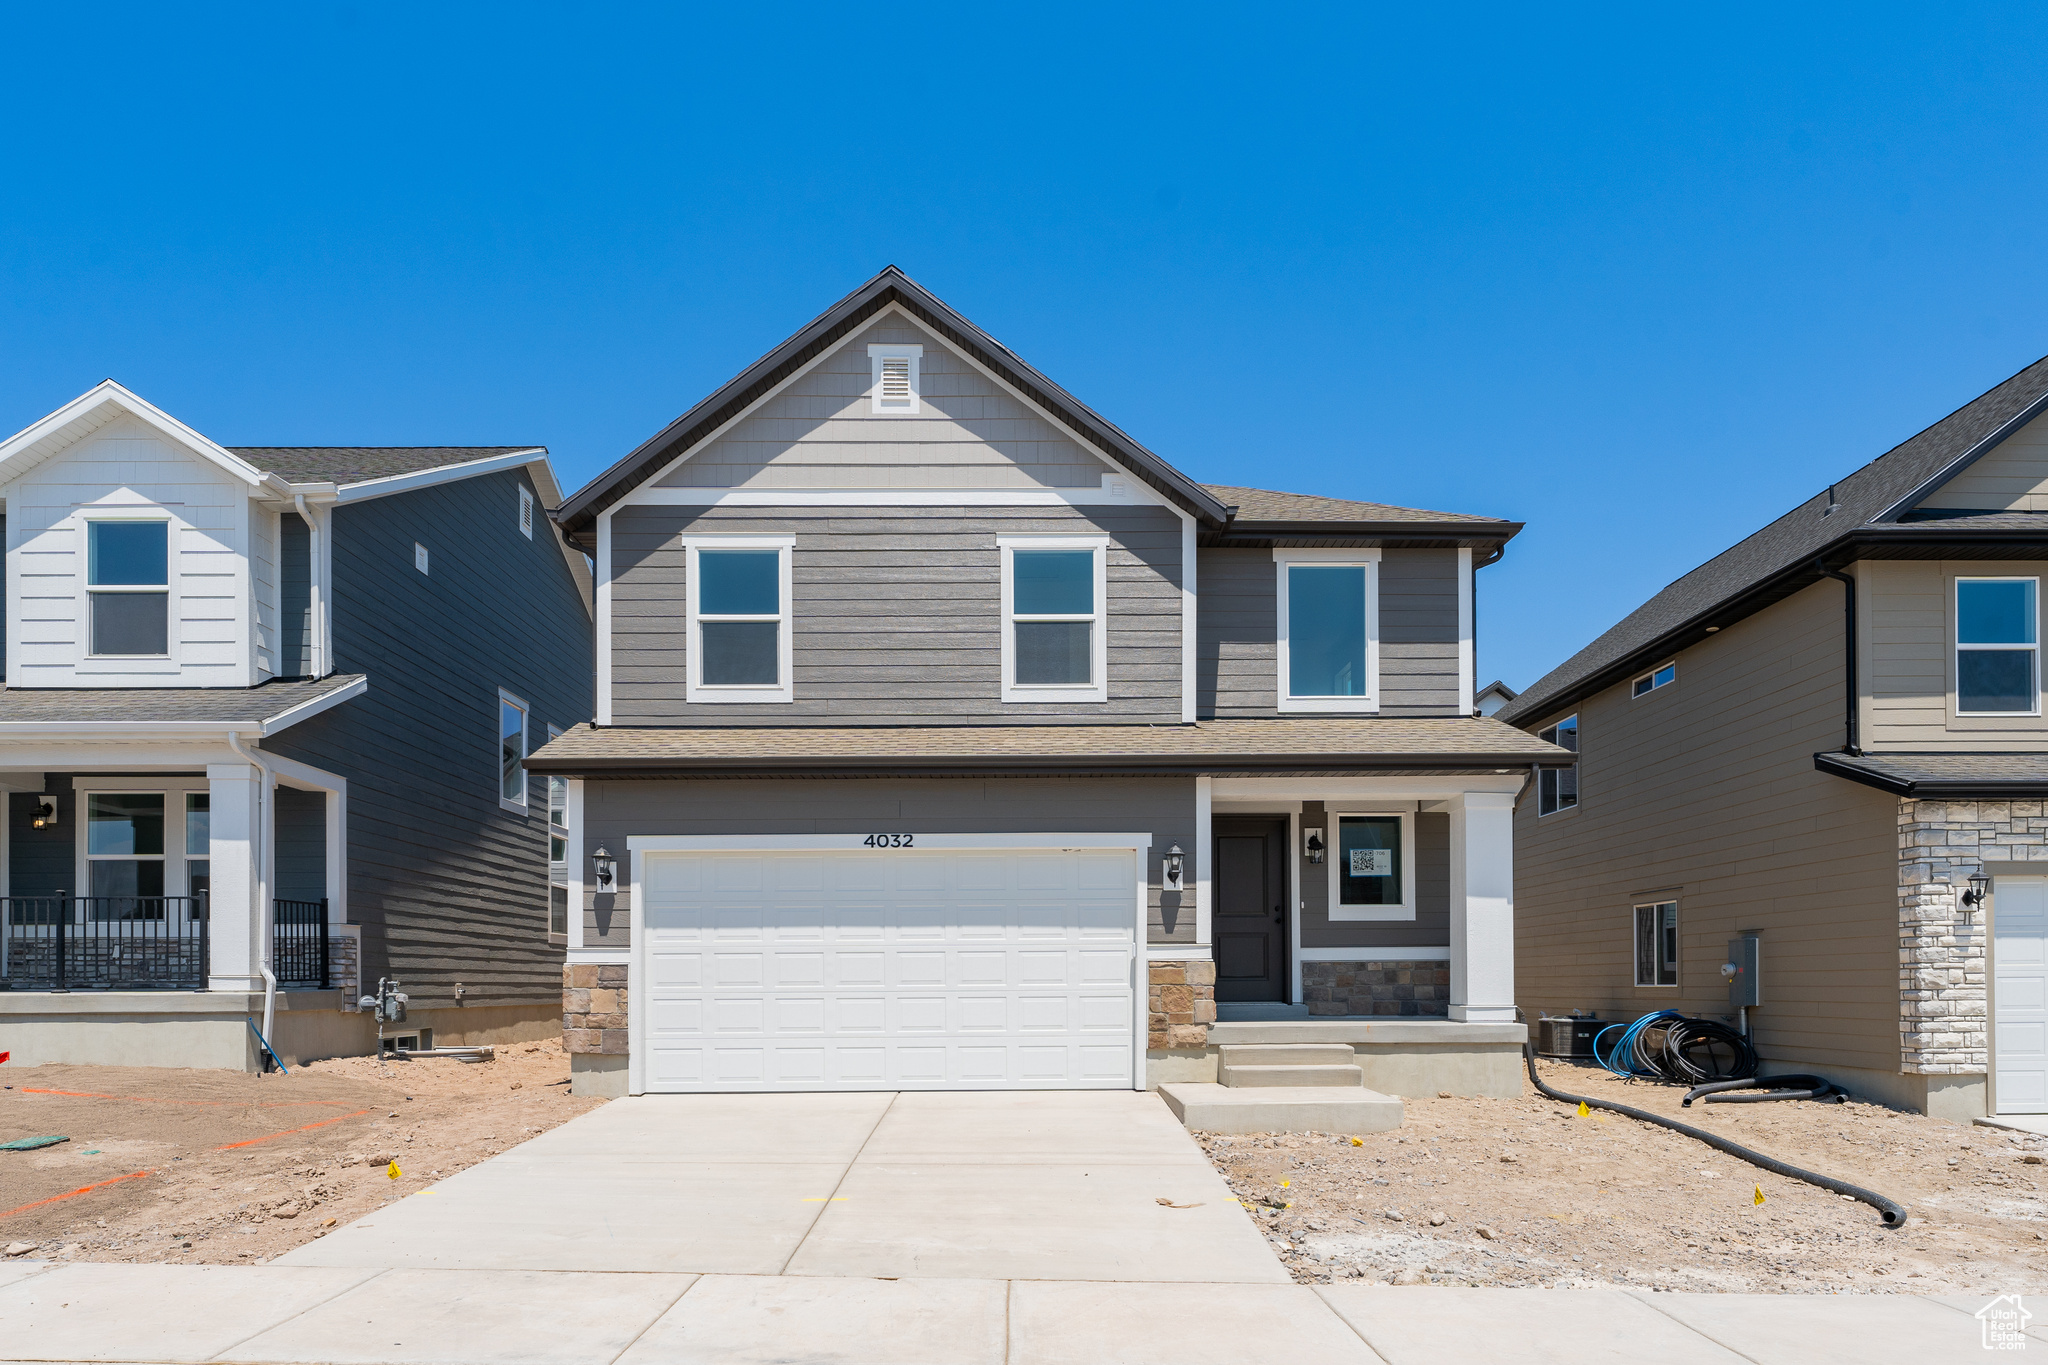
column 1492, row 698
column 1795, row 758
column 263, row 718
column 946, row 737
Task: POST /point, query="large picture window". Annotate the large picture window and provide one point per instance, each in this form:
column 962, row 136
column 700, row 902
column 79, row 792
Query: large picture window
column 1998, row 646
column 1372, row 865
column 1657, row 944
column 739, row 590
column 1053, row 627
column 128, row 584
column 1328, row 635
column 1558, row 788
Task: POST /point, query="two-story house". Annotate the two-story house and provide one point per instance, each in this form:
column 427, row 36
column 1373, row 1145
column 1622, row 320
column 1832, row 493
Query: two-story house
column 260, row 741
column 947, row 737
column 1820, row 760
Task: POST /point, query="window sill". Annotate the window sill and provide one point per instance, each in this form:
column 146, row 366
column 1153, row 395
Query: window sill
column 734, row 696
column 519, row 808
column 1371, row 914
column 1044, row 695
column 1357, row 706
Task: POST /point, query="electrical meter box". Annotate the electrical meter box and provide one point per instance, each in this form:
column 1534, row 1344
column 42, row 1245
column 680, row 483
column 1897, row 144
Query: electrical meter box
column 1745, row 985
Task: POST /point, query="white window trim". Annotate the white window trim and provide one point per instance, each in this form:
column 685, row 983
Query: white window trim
column 1636, row 945
column 558, row 872
column 1956, row 645
column 1578, row 794
column 519, row 807
column 877, row 352
column 173, row 790
column 89, row 662
column 1097, row 686
column 526, row 511
column 1369, row 560
column 695, row 689
column 1651, row 675
column 1381, row 913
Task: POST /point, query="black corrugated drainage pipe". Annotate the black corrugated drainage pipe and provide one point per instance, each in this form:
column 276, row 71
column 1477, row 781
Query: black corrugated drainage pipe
column 1893, row 1215
column 1849, row 741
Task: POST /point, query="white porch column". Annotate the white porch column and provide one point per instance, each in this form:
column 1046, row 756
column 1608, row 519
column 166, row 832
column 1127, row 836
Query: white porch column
column 234, row 920
column 1483, row 907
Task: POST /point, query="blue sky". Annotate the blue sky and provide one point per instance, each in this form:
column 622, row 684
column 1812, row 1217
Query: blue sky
column 1641, row 280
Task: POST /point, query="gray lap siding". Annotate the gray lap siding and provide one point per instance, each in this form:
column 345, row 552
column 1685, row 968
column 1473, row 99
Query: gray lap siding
column 896, row 614
column 1237, row 666
column 1163, row 807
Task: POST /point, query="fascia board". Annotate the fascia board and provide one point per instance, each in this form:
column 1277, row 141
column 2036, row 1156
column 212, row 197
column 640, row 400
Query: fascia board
column 447, row 473
column 105, row 394
column 268, row 725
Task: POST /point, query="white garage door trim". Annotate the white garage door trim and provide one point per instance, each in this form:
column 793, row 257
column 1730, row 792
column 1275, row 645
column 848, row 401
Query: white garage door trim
column 880, row 845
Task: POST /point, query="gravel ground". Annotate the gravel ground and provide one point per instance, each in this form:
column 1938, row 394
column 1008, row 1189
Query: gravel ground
column 1527, row 1192
column 218, row 1167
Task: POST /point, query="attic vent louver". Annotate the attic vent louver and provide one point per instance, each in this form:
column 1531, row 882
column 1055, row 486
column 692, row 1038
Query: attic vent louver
column 895, row 380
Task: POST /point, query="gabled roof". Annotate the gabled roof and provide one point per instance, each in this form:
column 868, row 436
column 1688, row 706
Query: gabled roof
column 891, row 286
column 107, row 402
column 1260, row 504
column 359, row 464
column 260, row 710
column 1861, row 514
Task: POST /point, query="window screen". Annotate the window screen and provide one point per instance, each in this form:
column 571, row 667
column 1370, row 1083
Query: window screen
column 739, row 610
column 1053, row 614
column 128, row 582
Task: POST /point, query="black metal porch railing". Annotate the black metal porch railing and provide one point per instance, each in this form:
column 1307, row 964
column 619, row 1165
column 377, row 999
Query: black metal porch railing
column 128, row 943
column 298, row 951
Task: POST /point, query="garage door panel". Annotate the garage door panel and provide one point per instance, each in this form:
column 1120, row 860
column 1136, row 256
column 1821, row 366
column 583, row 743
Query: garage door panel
column 921, row 970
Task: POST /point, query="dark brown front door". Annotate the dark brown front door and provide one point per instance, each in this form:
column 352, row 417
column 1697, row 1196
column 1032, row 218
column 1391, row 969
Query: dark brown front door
column 1250, row 915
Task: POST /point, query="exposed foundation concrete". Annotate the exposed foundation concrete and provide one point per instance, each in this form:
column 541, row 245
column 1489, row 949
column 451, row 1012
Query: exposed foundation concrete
column 1956, row 1098
column 598, row 1075
column 1197, row 1065
column 1414, row 1057
column 1281, row 1109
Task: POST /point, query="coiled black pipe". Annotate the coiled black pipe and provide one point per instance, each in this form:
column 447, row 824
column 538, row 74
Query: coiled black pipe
column 1792, row 1086
column 1893, row 1215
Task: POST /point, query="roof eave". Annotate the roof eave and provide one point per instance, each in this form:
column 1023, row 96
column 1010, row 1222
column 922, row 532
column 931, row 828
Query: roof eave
column 1962, row 789
column 1239, row 532
column 963, row 765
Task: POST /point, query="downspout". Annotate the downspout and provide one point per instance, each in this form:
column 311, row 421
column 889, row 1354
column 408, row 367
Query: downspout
column 1849, row 740
column 265, row 911
column 315, row 606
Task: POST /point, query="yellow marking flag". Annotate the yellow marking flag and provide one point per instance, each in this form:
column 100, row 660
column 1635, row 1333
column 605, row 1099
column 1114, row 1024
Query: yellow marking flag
column 1759, row 1195
column 1583, row 1110
column 393, row 1171
column 1358, row 1142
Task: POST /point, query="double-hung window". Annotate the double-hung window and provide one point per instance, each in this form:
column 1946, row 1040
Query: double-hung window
column 1328, row 638
column 511, row 752
column 1053, row 618
column 1998, row 650
column 739, row 609
column 128, row 582
column 1558, row 788
column 1657, row 944
column 124, row 854
column 1372, row 866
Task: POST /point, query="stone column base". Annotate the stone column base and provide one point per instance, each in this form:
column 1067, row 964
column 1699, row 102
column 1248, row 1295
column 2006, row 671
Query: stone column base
column 1181, row 1004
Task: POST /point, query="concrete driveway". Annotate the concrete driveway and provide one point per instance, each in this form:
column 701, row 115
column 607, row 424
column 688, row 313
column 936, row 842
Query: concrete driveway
column 1039, row 1185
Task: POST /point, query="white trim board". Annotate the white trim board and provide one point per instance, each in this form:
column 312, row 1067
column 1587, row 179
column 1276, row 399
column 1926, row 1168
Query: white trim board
column 746, row 843
column 1135, row 495
column 1440, row 953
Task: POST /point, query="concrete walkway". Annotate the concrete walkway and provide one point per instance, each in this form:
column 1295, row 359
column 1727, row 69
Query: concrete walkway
column 989, row 1229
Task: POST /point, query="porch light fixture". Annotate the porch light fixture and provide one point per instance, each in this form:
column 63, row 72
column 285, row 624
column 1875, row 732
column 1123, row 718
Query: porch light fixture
column 1171, row 865
column 607, row 868
column 46, row 812
column 1312, row 845
column 1974, row 897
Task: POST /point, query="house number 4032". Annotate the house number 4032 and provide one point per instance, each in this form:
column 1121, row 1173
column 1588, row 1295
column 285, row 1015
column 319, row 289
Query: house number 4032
column 887, row 841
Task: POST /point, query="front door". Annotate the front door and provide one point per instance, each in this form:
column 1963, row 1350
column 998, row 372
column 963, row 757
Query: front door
column 2019, row 1030
column 1249, row 919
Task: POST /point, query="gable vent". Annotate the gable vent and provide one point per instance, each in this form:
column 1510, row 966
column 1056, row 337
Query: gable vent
column 895, row 380
column 526, row 513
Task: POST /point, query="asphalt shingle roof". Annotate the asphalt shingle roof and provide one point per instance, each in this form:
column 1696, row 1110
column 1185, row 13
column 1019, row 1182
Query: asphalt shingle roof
column 199, row 705
column 1792, row 540
column 1973, row 775
column 1313, row 742
column 359, row 464
column 1260, row 504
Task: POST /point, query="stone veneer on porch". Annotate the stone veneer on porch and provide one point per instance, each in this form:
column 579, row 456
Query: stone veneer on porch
column 1378, row 986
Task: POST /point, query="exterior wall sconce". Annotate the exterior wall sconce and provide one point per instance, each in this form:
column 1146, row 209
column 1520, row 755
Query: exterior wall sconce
column 606, row 867
column 1312, row 845
column 1980, row 886
column 1171, row 865
column 46, row 813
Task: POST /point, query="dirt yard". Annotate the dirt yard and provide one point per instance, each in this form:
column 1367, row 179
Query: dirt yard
column 1526, row 1192
column 216, row 1167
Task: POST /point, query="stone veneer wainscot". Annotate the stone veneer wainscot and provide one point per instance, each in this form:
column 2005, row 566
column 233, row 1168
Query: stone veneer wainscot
column 1943, row 1006
column 1382, row 986
column 1182, row 1004
column 594, row 1009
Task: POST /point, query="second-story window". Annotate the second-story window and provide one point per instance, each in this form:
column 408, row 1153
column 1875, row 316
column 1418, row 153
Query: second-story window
column 1998, row 646
column 1328, row 636
column 739, row 607
column 1053, row 629
column 511, row 752
column 558, row 851
column 1558, row 788
column 128, row 579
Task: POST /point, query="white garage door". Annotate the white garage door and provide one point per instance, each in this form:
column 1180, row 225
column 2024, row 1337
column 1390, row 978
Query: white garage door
column 903, row 970
column 2020, row 1029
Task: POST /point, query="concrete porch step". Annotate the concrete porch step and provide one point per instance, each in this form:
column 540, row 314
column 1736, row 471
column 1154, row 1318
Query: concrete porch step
column 1267, row 1077
column 1287, row 1109
column 1287, row 1054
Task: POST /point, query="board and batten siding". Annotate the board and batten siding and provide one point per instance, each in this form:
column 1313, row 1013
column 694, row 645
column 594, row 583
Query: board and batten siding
column 897, row 614
column 1164, row 807
column 448, row 886
column 1237, row 634
column 2012, row 477
column 818, row 432
column 127, row 464
column 1704, row 792
column 1906, row 617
